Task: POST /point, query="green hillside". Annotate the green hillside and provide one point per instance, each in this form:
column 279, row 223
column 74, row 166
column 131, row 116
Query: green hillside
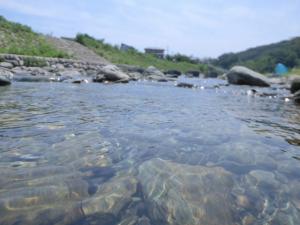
column 19, row 39
column 133, row 57
column 264, row 58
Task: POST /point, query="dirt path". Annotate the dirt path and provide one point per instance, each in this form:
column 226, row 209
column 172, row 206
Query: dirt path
column 77, row 50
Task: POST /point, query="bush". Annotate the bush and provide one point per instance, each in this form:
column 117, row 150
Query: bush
column 34, row 62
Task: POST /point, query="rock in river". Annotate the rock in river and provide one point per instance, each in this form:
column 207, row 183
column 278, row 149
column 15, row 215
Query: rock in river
column 5, row 77
column 185, row 85
column 193, row 73
column 243, row 76
column 112, row 73
column 4, row 81
column 296, row 97
column 295, row 86
column 29, row 78
column 153, row 73
column 186, row 195
column 173, row 73
column 110, row 199
column 6, row 65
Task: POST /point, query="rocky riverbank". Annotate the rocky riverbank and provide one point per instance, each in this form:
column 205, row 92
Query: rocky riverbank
column 35, row 69
column 16, row 68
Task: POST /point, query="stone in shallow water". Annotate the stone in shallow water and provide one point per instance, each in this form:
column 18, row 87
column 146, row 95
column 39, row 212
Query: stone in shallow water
column 110, row 199
column 29, row 205
column 6, row 65
column 51, row 126
column 264, row 179
column 288, row 215
column 243, row 76
column 242, row 157
column 23, row 164
column 186, row 85
column 295, row 85
column 295, row 193
column 36, row 205
column 184, row 194
column 23, row 198
column 4, row 81
column 134, row 220
column 5, row 77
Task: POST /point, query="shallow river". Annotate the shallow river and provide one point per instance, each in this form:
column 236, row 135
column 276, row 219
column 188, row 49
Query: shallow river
column 147, row 153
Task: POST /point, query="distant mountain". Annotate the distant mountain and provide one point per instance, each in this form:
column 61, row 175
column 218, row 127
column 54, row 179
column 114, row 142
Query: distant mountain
column 264, row 58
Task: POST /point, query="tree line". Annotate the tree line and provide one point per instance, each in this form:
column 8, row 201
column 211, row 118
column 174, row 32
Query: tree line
column 264, row 58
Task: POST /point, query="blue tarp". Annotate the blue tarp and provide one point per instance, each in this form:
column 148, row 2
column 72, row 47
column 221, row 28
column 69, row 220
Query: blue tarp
column 281, row 69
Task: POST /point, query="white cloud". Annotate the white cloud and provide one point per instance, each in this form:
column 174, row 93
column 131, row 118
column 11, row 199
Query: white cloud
column 198, row 27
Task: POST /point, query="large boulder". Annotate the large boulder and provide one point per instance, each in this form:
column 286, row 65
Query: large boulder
column 295, row 85
column 181, row 194
column 4, row 81
column 153, row 73
column 99, row 78
column 192, row 73
column 172, row 73
column 6, row 65
column 112, row 73
column 296, row 97
column 240, row 75
column 5, row 77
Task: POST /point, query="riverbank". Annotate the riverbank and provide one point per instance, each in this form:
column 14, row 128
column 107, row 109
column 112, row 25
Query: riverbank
column 33, row 68
column 20, row 68
column 20, row 39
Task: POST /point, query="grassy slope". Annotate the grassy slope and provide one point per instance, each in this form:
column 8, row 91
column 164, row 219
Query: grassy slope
column 295, row 71
column 19, row 39
column 114, row 55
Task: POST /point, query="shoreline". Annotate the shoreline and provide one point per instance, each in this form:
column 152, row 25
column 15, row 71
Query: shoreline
column 36, row 68
column 22, row 68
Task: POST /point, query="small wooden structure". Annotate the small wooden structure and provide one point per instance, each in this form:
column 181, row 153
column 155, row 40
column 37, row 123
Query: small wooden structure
column 158, row 52
column 126, row 48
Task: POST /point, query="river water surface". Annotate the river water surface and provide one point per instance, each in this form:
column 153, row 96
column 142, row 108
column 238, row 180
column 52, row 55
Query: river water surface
column 147, row 153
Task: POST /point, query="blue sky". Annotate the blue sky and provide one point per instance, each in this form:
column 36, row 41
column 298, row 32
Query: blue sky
column 202, row 28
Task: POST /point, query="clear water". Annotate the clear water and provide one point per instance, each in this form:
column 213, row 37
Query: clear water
column 147, row 153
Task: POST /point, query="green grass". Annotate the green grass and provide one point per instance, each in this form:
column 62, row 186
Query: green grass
column 114, row 55
column 19, row 39
column 295, row 71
